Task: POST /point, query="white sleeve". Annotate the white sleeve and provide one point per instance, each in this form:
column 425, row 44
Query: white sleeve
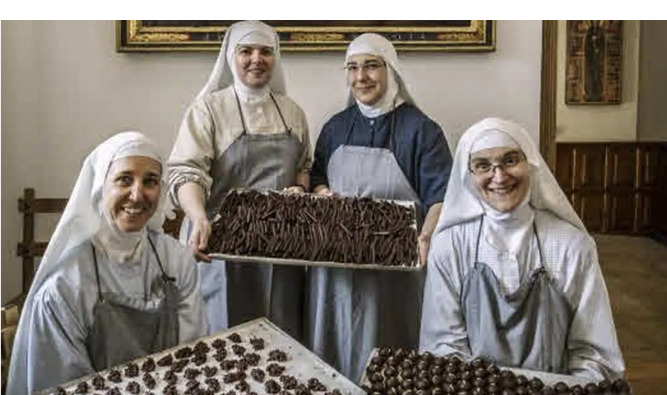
column 57, row 351
column 443, row 329
column 592, row 344
column 193, row 151
column 192, row 322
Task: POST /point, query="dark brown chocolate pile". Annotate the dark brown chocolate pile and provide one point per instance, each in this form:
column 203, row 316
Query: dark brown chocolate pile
column 305, row 227
column 398, row 371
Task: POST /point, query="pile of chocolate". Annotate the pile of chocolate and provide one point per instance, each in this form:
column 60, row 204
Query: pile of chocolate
column 306, row 227
column 226, row 366
column 410, row 373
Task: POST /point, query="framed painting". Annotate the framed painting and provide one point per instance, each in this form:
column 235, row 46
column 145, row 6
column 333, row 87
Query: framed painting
column 155, row 36
column 593, row 68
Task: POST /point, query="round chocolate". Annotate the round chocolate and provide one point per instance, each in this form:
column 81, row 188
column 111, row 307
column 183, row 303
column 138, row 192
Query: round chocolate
column 591, row 388
column 479, row 382
column 521, row 380
column 451, row 378
column 392, row 382
column 464, row 385
column 437, row 370
column 422, row 384
column 408, row 383
column 376, row 378
column 536, row 384
column 478, row 363
column 561, row 387
column 548, row 390
column 604, row 385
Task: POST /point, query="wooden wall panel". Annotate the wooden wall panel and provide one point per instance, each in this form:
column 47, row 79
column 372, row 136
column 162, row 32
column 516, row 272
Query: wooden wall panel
column 616, row 187
column 591, row 210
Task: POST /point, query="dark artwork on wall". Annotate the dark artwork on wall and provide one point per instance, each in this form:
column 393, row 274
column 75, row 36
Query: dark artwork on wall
column 160, row 36
column 593, row 52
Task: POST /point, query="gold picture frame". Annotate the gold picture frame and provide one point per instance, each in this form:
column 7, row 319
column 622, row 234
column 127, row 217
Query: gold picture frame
column 309, row 36
column 593, row 68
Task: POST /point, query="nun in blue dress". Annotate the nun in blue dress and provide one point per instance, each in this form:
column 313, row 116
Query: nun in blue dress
column 381, row 146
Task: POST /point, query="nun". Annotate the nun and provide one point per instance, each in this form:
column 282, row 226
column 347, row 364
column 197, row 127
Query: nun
column 381, row 146
column 111, row 287
column 513, row 275
column 242, row 131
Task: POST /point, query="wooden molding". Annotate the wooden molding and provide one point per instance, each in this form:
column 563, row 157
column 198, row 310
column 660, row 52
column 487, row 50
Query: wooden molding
column 548, row 93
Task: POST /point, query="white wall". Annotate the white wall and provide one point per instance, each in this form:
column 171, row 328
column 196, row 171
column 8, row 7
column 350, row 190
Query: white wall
column 614, row 122
column 65, row 89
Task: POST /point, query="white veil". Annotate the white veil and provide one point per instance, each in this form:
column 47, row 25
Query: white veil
column 375, row 44
column 80, row 221
column 461, row 200
column 222, row 75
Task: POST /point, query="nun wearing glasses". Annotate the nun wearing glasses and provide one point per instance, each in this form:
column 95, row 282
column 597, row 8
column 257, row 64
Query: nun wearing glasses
column 242, row 131
column 381, row 146
column 513, row 275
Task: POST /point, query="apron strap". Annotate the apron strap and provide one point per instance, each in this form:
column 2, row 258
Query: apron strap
column 349, row 130
column 539, row 245
column 287, row 130
column 479, row 233
column 392, row 132
column 97, row 274
column 238, row 104
column 165, row 277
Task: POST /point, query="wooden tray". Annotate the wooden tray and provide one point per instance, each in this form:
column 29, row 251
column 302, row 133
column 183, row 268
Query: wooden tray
column 301, row 363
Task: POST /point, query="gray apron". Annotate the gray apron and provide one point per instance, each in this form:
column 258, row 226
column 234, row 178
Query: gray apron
column 242, row 292
column 526, row 329
column 127, row 328
column 352, row 311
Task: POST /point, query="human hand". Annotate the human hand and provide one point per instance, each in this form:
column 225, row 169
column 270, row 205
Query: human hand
column 423, row 244
column 295, row 189
column 324, row 191
column 201, row 231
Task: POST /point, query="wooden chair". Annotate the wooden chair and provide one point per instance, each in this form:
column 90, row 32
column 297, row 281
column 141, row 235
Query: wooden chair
column 10, row 321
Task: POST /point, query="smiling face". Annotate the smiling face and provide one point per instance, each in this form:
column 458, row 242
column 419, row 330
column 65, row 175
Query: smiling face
column 254, row 64
column 132, row 191
column 501, row 176
column 367, row 77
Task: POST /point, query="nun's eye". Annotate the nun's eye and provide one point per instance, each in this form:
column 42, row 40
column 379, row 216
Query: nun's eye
column 480, row 167
column 511, row 159
column 267, row 51
column 372, row 65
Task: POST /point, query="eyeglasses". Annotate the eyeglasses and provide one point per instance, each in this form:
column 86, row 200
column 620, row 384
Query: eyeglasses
column 484, row 167
column 367, row 67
